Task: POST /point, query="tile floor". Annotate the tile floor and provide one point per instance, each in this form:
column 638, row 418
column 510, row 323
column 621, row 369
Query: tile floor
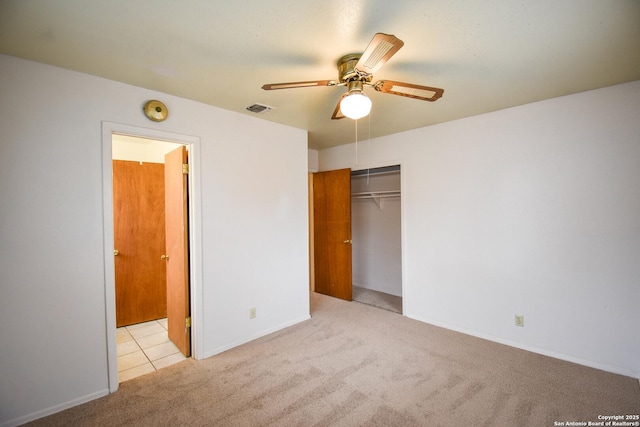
column 143, row 348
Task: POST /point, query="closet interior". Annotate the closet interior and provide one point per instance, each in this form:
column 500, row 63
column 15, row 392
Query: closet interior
column 376, row 236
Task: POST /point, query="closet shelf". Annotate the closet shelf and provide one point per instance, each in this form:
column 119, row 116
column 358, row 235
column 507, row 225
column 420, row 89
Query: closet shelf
column 375, row 194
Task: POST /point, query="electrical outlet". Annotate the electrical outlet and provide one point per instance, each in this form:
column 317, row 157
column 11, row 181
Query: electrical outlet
column 252, row 313
column 520, row 320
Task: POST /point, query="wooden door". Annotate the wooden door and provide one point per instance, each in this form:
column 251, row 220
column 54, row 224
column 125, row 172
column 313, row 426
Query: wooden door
column 139, row 240
column 332, row 233
column 177, row 250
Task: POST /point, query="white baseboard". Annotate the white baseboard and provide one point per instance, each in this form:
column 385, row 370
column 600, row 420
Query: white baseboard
column 254, row 337
column 555, row 355
column 53, row 409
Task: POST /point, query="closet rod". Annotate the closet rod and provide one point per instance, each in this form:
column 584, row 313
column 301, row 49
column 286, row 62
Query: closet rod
column 376, row 197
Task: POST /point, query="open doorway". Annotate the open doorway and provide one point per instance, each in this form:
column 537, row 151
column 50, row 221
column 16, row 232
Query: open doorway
column 151, row 281
column 192, row 243
column 376, row 233
column 355, row 230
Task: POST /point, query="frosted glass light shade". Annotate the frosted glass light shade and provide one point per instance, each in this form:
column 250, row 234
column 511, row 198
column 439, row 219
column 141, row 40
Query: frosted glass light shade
column 355, row 105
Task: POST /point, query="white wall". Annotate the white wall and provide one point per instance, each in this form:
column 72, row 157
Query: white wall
column 313, row 160
column 533, row 210
column 52, row 301
column 130, row 148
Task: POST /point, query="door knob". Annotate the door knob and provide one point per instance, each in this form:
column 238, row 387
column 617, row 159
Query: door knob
column 165, row 257
column 347, row 241
column 116, row 252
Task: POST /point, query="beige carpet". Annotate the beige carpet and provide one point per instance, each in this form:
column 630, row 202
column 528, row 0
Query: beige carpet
column 377, row 299
column 356, row 365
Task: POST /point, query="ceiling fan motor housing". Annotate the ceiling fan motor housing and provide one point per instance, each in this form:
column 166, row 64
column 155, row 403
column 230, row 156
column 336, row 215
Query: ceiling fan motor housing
column 347, row 69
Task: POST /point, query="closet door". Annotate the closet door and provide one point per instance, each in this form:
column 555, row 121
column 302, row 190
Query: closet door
column 332, row 233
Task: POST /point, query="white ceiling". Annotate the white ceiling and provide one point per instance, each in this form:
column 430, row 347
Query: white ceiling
column 487, row 55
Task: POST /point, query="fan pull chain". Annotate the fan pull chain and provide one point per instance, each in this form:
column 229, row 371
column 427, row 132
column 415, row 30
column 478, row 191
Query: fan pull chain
column 356, row 142
column 369, row 139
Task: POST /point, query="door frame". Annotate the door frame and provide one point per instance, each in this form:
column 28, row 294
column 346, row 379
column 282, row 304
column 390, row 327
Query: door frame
column 195, row 237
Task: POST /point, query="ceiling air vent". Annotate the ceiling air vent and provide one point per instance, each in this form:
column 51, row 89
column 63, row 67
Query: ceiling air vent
column 259, row 108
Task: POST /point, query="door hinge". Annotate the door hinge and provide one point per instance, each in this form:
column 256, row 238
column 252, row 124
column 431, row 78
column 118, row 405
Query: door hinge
column 187, row 322
column 185, row 168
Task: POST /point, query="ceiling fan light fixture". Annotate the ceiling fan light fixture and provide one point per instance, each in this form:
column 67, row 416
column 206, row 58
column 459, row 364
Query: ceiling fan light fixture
column 355, row 105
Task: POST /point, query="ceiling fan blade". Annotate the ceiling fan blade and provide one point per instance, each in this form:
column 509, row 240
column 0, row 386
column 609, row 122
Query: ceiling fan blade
column 380, row 49
column 424, row 93
column 292, row 85
column 337, row 114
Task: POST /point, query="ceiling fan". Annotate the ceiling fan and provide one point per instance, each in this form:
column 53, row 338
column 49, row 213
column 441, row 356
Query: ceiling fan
column 355, row 71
